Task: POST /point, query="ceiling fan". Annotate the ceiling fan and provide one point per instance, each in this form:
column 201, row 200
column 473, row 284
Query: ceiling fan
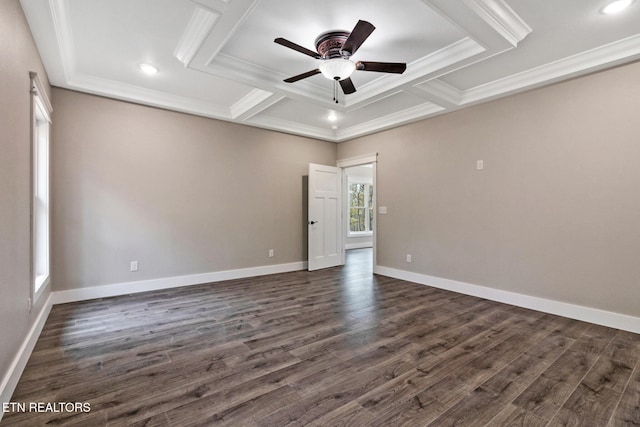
column 334, row 50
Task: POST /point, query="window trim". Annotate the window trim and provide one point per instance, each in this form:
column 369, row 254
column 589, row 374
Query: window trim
column 41, row 110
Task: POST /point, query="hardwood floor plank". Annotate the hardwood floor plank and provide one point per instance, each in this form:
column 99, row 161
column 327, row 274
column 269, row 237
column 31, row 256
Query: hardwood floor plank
column 549, row 392
column 515, row 416
column 351, row 415
column 594, row 340
column 414, row 412
column 624, row 347
column 627, row 413
column 585, row 406
column 607, row 373
column 596, row 396
column 481, row 405
column 530, row 364
column 242, row 413
column 326, row 399
column 159, row 420
column 197, row 400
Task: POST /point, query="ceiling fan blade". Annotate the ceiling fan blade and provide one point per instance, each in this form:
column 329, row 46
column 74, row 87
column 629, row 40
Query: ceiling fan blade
column 382, row 67
column 302, row 76
column 347, row 86
column 297, row 47
column 360, row 33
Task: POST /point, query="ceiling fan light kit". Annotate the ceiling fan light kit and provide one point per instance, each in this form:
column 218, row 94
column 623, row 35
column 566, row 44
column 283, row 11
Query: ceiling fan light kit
column 334, row 50
column 337, row 68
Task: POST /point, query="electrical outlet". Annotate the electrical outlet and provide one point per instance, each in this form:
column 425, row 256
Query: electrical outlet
column 271, row 253
column 408, row 257
column 133, row 266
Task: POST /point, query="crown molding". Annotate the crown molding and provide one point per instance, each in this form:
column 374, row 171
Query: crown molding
column 196, row 32
column 64, row 36
column 588, row 61
column 287, row 126
column 127, row 92
column 249, row 101
column 501, row 18
column 452, row 54
column 390, row 120
column 254, row 102
column 441, row 90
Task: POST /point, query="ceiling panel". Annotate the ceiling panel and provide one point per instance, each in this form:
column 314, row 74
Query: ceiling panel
column 299, row 112
column 111, row 38
column 390, row 104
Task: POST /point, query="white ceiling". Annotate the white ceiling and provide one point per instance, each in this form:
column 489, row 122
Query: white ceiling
column 217, row 58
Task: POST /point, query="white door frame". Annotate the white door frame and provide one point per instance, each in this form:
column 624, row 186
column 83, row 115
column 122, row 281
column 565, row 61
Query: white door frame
column 366, row 159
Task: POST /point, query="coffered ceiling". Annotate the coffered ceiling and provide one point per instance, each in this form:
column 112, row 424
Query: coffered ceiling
column 217, row 58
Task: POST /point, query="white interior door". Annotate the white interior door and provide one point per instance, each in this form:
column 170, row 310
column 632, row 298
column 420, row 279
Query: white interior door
column 325, row 209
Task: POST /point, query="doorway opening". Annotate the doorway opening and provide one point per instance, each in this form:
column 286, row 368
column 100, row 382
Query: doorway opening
column 360, row 212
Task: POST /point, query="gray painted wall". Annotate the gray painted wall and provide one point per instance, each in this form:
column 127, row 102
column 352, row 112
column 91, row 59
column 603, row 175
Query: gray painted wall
column 179, row 194
column 554, row 214
column 19, row 57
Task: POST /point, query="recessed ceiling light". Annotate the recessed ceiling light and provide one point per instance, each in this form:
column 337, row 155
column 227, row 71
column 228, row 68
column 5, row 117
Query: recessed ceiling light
column 616, row 6
column 332, row 117
column 148, row 68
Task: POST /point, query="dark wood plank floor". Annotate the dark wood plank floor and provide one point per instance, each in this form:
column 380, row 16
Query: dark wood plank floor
column 329, row 348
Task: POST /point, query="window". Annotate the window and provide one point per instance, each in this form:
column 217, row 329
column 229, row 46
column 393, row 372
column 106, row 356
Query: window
column 360, row 208
column 40, row 112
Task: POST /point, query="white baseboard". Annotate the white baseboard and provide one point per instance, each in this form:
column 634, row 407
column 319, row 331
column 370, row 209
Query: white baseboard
column 72, row 295
column 11, row 377
column 358, row 245
column 572, row 311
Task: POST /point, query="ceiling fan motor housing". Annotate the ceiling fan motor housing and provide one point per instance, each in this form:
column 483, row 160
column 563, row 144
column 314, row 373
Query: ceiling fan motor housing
column 329, row 44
